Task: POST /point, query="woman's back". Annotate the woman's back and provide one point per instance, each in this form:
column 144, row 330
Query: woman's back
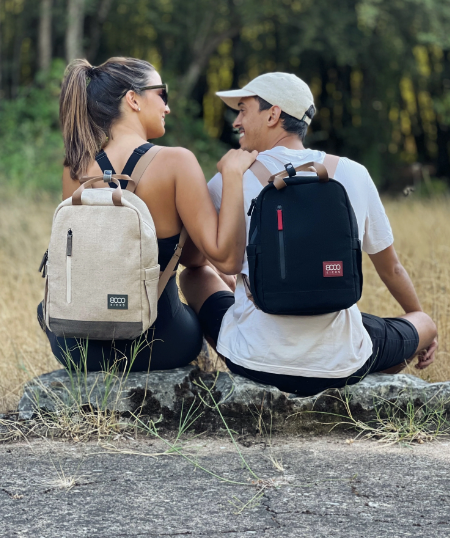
column 166, row 245
column 118, row 106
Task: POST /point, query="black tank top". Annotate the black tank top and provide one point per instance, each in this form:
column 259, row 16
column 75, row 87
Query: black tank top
column 167, row 245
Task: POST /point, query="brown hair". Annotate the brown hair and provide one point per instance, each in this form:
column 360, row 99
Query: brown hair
column 89, row 104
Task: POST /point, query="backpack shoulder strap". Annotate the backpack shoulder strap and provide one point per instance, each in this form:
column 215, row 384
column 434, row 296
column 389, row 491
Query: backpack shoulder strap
column 104, row 162
column 142, row 166
column 168, row 271
column 330, row 162
column 134, row 158
column 261, row 172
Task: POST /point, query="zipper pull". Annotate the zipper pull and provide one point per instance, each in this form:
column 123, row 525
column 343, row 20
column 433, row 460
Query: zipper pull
column 43, row 262
column 251, row 208
column 69, row 243
column 280, row 218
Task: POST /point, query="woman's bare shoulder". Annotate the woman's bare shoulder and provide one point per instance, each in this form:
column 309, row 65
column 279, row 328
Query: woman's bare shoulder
column 178, row 161
column 177, row 153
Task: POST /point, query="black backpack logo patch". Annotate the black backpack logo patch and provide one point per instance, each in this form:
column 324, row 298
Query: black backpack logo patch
column 118, row 302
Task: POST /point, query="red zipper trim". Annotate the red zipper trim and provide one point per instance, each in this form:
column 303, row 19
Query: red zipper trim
column 280, row 219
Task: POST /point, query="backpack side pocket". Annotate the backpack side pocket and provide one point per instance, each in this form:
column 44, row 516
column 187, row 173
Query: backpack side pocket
column 252, row 257
column 151, row 289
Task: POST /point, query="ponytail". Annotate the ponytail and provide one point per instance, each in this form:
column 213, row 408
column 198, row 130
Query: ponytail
column 82, row 137
column 90, row 103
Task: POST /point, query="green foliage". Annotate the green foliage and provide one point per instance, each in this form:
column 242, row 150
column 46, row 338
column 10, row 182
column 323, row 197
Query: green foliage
column 185, row 128
column 31, row 146
column 379, row 71
column 432, row 188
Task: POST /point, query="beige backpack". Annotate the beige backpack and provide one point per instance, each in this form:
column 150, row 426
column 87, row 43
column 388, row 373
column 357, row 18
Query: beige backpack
column 102, row 278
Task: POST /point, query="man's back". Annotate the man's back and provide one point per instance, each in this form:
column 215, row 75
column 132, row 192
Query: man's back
column 332, row 345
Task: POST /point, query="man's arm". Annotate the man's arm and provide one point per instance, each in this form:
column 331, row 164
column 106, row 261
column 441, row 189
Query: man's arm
column 396, row 279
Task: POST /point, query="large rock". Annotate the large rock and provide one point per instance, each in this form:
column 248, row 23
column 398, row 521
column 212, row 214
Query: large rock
column 245, row 405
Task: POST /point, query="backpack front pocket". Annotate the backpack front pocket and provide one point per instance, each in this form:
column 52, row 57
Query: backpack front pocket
column 282, row 256
column 69, row 266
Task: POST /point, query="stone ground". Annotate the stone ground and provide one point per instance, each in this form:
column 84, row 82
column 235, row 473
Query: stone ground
column 328, row 488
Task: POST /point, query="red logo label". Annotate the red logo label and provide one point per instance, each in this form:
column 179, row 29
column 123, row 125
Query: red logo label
column 333, row 269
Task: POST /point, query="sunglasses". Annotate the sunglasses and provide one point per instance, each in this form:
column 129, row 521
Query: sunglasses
column 164, row 94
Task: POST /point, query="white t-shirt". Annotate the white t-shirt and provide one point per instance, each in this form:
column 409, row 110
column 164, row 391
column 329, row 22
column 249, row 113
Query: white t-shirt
column 326, row 346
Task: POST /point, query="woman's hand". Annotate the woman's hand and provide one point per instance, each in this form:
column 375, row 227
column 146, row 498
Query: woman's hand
column 236, row 160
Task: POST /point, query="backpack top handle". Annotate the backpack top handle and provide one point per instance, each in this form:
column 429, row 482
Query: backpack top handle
column 88, row 181
column 262, row 173
column 319, row 169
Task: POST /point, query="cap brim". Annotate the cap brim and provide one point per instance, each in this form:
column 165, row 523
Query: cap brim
column 232, row 98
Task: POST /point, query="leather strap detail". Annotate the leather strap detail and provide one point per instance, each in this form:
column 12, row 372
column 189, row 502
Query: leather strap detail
column 142, row 166
column 260, row 172
column 123, row 177
column 168, row 271
column 88, row 181
column 278, row 181
column 331, row 162
column 264, row 176
column 319, row 169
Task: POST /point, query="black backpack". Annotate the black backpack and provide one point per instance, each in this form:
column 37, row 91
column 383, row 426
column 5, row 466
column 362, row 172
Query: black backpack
column 304, row 254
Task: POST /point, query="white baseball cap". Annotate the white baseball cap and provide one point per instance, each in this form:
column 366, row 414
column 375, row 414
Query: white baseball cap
column 285, row 90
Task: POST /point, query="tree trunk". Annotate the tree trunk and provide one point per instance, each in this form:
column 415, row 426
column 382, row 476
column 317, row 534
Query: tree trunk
column 1, row 63
column 45, row 35
column 203, row 48
column 17, row 53
column 102, row 15
column 74, row 33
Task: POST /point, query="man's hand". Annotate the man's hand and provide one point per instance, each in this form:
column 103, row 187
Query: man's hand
column 426, row 357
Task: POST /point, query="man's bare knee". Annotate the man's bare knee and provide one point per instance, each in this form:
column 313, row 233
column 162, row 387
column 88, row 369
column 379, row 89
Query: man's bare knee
column 199, row 283
column 190, row 279
column 425, row 326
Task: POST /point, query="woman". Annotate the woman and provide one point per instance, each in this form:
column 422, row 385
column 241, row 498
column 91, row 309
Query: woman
column 118, row 106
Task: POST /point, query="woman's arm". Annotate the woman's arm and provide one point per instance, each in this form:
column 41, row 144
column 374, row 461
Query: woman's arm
column 220, row 238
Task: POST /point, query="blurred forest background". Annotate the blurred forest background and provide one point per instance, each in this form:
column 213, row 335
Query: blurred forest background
column 379, row 71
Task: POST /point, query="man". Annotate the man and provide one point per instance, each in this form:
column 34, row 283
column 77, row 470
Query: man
column 306, row 354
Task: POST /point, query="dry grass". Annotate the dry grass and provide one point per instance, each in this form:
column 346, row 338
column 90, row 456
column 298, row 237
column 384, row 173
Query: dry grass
column 422, row 240
column 24, row 233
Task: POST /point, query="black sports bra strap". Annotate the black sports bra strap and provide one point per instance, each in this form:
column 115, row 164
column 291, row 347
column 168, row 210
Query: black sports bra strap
column 105, row 163
column 134, row 158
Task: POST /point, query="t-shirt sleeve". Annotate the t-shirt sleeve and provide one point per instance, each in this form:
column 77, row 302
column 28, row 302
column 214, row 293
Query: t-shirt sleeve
column 215, row 190
column 377, row 230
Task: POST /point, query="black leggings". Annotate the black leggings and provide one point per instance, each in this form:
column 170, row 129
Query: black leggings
column 174, row 341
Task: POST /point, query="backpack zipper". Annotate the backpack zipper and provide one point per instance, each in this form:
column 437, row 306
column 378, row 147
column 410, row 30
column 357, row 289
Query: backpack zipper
column 251, row 208
column 43, row 265
column 281, row 242
column 69, row 265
